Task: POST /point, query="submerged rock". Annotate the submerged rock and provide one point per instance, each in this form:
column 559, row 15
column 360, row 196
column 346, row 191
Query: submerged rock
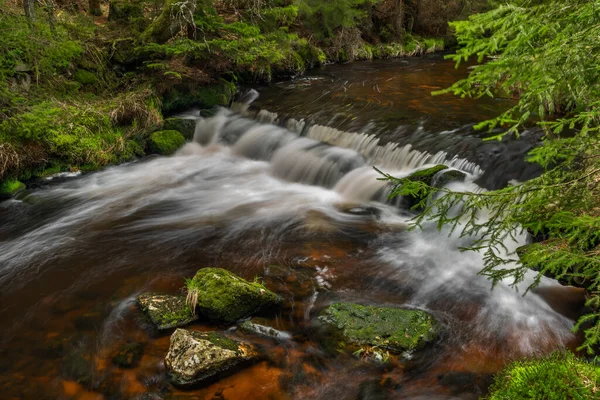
column 194, row 357
column 166, row 311
column 224, row 296
column 185, row 126
column 128, row 355
column 165, row 142
column 252, row 327
column 393, row 329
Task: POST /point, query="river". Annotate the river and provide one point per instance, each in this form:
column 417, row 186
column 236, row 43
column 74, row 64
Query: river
column 287, row 194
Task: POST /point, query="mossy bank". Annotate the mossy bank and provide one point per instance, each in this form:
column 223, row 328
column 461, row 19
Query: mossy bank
column 84, row 91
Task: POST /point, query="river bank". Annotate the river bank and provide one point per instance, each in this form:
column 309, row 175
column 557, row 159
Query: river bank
column 87, row 91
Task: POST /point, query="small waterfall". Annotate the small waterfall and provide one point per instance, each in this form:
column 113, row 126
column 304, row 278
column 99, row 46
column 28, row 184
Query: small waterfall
column 320, row 155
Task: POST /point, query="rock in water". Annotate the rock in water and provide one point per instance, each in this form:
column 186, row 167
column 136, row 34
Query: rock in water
column 194, row 356
column 223, row 296
column 394, row 329
column 184, row 126
column 166, row 311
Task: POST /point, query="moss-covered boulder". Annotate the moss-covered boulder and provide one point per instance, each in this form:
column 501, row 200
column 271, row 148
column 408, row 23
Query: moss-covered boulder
column 185, row 126
column 424, row 176
column 10, row 187
column 85, row 77
column 165, row 142
column 448, row 177
column 394, row 329
column 166, row 311
column 194, row 357
column 559, row 376
column 224, row 296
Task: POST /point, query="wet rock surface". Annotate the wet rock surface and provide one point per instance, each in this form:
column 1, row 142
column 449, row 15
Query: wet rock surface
column 224, row 296
column 166, row 311
column 394, row 329
column 195, row 357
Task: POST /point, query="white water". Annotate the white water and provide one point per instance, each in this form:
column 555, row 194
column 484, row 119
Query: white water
column 240, row 176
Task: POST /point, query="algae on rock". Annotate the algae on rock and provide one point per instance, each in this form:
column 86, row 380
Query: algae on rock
column 166, row 311
column 393, row 329
column 196, row 356
column 224, row 296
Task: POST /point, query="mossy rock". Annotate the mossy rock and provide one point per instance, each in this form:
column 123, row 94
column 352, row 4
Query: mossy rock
column 204, row 97
column 166, row 311
column 394, row 329
column 165, row 142
column 10, row 187
column 448, row 177
column 186, row 127
column 85, row 77
column 559, row 376
column 194, row 356
column 424, row 176
column 224, row 296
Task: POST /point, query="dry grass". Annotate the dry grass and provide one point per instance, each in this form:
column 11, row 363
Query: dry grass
column 140, row 108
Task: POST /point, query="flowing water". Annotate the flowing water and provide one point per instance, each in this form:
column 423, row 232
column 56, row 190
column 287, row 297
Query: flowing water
column 295, row 201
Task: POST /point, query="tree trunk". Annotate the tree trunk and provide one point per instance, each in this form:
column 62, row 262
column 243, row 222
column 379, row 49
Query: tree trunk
column 29, row 7
column 94, row 8
column 174, row 17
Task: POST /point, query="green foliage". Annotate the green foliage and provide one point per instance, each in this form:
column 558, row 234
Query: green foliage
column 557, row 377
column 323, row 18
column 85, row 77
column 10, row 187
column 546, row 52
column 165, row 142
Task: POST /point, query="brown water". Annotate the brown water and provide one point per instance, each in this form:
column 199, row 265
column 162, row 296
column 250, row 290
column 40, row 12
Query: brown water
column 261, row 201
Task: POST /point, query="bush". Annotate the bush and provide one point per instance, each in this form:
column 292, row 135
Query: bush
column 558, row 377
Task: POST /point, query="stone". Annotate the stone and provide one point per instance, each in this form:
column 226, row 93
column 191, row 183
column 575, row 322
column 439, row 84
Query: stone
column 185, row 126
column 448, row 177
column 166, row 311
column 194, row 357
column 128, row 355
column 224, row 296
column 263, row 330
column 425, row 176
column 10, row 188
column 393, row 329
column 165, row 142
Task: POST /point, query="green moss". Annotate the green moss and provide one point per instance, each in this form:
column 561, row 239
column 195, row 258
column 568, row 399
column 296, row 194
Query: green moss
column 223, row 296
column 449, row 177
column 426, row 175
column 558, row 377
column 205, row 97
column 390, row 328
column 10, row 187
column 166, row 311
column 85, row 77
column 165, row 142
column 184, row 126
column 222, row 341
